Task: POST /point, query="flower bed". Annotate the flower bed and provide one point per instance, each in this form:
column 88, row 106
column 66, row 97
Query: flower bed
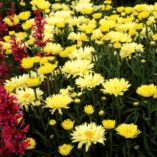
column 85, row 78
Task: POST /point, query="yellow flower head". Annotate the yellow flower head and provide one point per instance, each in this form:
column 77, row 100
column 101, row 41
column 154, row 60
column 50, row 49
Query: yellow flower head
column 33, row 82
column 146, row 90
column 89, row 109
column 27, row 63
column 128, row 130
column 26, row 96
column 143, row 15
column 47, row 68
column 97, row 15
column 67, row 124
column 31, row 142
column 77, row 67
column 88, row 134
column 58, row 102
column 65, row 149
column 89, row 81
column 128, row 49
column 154, row 37
column 12, row 20
column 108, row 123
column 24, row 15
column 16, row 82
column 28, row 24
column 52, row 122
column 115, row 86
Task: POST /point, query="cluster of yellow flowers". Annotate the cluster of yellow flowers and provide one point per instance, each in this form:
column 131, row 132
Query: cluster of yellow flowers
column 70, row 79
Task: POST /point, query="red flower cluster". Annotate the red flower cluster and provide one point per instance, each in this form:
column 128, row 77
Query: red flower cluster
column 39, row 28
column 13, row 129
column 4, row 67
column 19, row 49
column 3, row 26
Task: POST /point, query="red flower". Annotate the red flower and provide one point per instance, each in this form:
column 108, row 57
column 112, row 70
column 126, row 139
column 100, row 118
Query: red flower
column 12, row 132
column 19, row 49
column 39, row 29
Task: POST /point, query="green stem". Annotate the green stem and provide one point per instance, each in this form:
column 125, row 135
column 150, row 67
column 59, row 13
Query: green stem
column 35, row 93
column 110, row 136
column 118, row 109
column 128, row 148
column 48, row 85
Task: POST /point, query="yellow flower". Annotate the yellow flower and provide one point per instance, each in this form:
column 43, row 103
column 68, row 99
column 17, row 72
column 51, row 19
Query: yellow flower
column 67, row 51
column 146, row 90
column 65, row 149
column 101, row 113
column 58, row 102
column 12, row 20
column 26, row 96
column 47, row 68
column 31, row 142
column 28, row 24
column 67, row 124
column 77, row 36
column 108, row 123
column 27, row 63
column 16, row 82
column 128, row 49
column 115, row 86
column 88, row 134
column 89, row 109
column 22, row 3
column 128, row 130
column 143, row 15
column 120, row 9
column 52, row 48
column 33, row 82
column 83, row 53
column 89, row 81
column 154, row 36
column 52, row 122
column 89, row 27
column 24, row 15
column 77, row 67
column 97, row 15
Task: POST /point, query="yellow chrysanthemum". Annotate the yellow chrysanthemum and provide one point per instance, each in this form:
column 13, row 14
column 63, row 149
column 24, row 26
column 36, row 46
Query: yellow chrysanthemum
column 33, row 82
column 27, row 63
column 26, row 96
column 83, row 53
column 28, row 24
column 128, row 130
column 128, row 49
column 12, row 20
column 108, row 123
column 77, row 67
column 88, row 134
column 52, row 122
column 16, row 82
column 58, row 102
column 24, row 15
column 89, row 109
column 89, row 81
column 146, row 90
column 47, row 68
column 67, row 124
column 115, row 86
column 65, row 149
column 31, row 143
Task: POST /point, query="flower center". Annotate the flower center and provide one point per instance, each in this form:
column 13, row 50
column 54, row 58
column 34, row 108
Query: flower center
column 26, row 95
column 89, row 134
